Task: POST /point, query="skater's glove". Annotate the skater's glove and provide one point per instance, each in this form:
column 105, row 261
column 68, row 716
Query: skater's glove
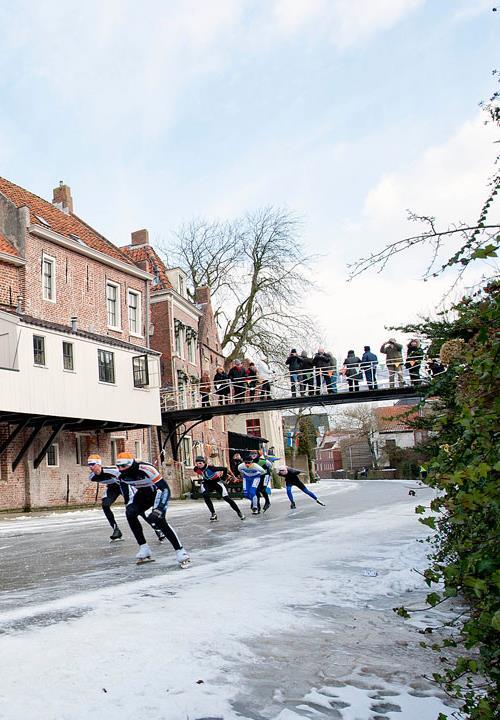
column 154, row 516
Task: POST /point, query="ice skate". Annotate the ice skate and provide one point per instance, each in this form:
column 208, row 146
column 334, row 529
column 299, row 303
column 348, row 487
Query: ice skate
column 182, row 558
column 321, row 503
column 144, row 555
column 255, row 511
column 292, row 506
column 267, row 505
column 242, row 517
column 213, row 517
column 116, row 534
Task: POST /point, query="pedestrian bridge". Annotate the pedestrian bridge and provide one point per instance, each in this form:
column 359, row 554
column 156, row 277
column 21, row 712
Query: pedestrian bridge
column 189, row 405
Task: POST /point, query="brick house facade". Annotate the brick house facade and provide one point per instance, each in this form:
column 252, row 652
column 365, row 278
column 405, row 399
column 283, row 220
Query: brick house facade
column 185, row 333
column 74, row 352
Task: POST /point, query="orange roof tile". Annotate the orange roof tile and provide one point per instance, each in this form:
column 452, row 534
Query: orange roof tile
column 7, row 247
column 154, row 265
column 395, row 419
column 59, row 221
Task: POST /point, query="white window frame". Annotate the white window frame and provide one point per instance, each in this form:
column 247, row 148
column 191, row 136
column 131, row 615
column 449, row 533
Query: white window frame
column 181, row 285
column 112, row 354
column 36, row 364
column 186, row 451
column 56, row 446
column 191, row 349
column 180, row 339
column 52, row 262
column 72, row 345
column 118, row 326
column 137, row 295
column 138, row 449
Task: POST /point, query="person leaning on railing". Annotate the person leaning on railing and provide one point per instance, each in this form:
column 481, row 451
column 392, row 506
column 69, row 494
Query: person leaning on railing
column 414, row 357
column 222, row 385
column 326, row 371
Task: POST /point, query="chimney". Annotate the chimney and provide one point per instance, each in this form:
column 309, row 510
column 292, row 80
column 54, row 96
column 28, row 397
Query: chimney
column 202, row 295
column 61, row 198
column 140, row 237
column 74, row 323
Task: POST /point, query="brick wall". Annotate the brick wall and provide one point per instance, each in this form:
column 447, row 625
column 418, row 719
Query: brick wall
column 10, row 284
column 80, row 290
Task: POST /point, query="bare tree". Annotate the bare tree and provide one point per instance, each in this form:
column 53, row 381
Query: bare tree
column 361, row 419
column 258, row 274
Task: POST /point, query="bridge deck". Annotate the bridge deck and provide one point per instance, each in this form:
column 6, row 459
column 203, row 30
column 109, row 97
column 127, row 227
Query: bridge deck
column 206, row 413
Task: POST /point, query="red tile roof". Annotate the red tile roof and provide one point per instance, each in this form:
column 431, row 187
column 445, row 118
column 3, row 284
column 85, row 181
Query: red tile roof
column 395, row 419
column 6, row 246
column 153, row 264
column 59, row 221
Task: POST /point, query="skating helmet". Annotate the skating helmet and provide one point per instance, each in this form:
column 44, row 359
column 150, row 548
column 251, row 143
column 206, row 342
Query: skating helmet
column 124, row 460
column 94, row 460
column 200, row 460
column 281, row 470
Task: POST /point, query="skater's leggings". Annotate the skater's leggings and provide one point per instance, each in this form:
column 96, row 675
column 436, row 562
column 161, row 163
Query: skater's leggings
column 112, row 492
column 262, row 491
column 143, row 500
column 298, row 483
column 221, row 491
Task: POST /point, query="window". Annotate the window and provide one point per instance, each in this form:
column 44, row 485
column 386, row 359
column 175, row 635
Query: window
column 253, row 428
column 39, row 350
column 49, row 278
column 113, row 304
column 81, row 450
column 106, row 363
column 179, row 331
column 191, row 345
column 117, row 446
column 138, row 449
column 134, row 312
column 182, row 286
column 186, row 452
column 140, row 371
column 53, row 456
column 68, row 363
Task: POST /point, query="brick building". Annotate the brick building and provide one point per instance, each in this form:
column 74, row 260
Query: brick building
column 185, row 332
column 77, row 374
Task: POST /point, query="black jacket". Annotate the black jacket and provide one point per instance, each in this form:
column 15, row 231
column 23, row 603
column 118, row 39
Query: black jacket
column 322, row 360
column 294, row 362
column 352, row 363
column 236, row 374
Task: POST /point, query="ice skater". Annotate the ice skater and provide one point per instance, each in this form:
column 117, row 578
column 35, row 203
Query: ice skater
column 291, row 476
column 153, row 492
column 251, row 474
column 214, row 480
column 110, row 478
column 263, row 490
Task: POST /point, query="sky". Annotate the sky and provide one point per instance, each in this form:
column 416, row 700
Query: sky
column 347, row 112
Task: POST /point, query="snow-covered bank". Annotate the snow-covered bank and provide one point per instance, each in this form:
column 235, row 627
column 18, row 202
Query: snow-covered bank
column 141, row 648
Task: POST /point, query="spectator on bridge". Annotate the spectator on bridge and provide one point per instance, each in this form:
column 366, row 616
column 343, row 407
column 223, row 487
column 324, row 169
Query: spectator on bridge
column 252, row 379
column 392, row 350
column 222, row 385
column 414, row 357
column 369, row 365
column 306, row 375
column 435, row 367
column 205, row 389
column 352, row 371
column 294, row 363
column 326, row 371
column 265, row 389
column 238, row 376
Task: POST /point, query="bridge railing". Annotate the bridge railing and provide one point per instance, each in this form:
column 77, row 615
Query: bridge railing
column 317, row 382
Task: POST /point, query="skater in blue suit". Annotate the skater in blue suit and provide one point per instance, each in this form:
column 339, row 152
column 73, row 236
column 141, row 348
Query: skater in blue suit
column 291, row 476
column 251, row 474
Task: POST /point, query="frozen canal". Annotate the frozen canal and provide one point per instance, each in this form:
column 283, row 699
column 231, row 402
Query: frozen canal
column 277, row 617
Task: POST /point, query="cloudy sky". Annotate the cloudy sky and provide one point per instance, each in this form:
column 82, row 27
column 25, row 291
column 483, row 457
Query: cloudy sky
column 346, row 111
